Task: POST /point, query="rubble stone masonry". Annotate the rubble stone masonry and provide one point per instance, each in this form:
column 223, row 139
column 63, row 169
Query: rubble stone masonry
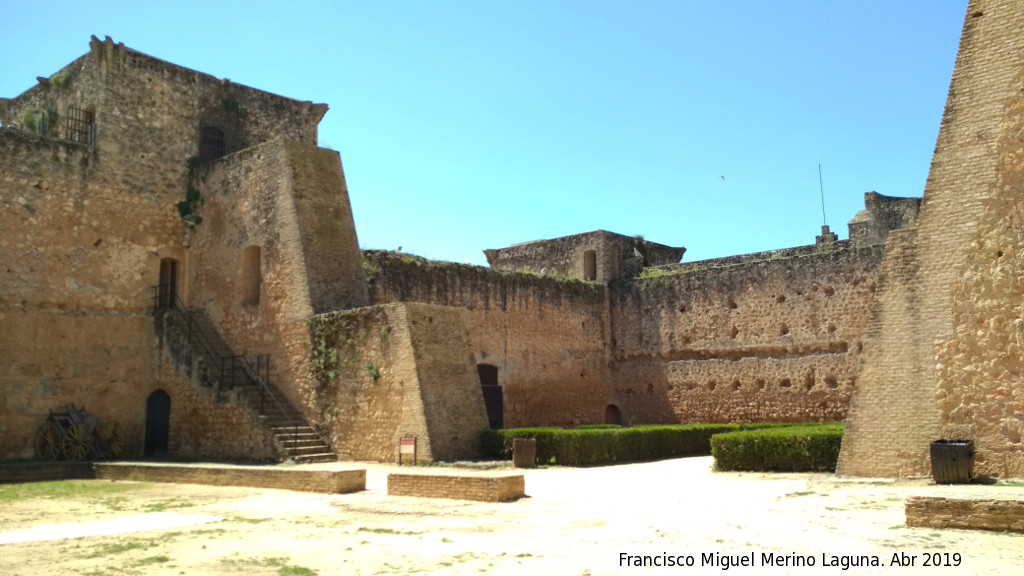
column 942, row 351
column 769, row 337
column 912, row 330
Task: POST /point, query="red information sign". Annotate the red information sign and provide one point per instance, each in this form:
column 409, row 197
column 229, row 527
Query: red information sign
column 407, row 446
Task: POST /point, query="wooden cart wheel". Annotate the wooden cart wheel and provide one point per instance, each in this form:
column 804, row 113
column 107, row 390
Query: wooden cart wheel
column 110, row 438
column 77, row 441
column 48, row 439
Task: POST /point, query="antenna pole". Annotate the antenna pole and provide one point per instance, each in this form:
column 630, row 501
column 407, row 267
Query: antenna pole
column 821, row 188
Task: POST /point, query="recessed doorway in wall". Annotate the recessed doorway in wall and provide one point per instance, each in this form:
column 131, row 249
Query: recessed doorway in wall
column 494, row 398
column 590, row 265
column 158, row 423
column 250, row 276
column 612, row 415
column 167, row 291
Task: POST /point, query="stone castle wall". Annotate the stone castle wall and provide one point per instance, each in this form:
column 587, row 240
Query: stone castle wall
column 544, row 335
column 947, row 288
column 612, row 256
column 774, row 337
column 205, row 422
column 148, row 113
column 79, row 253
column 768, row 337
column 271, row 251
column 393, row 371
column 921, row 343
column 87, row 223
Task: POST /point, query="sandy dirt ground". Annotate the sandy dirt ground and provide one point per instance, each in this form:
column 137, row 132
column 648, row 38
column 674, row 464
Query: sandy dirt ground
column 574, row 522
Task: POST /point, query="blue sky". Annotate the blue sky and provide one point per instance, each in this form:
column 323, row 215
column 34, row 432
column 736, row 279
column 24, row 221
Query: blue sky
column 472, row 125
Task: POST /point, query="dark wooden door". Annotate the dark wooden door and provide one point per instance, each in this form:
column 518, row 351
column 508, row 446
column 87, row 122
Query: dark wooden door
column 158, row 423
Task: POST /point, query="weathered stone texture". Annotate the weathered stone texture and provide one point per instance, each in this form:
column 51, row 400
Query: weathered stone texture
column 205, row 421
column 283, row 200
column 921, row 344
column 546, row 336
column 327, row 481
column 465, row 486
column 78, row 254
column 744, row 340
column 975, row 514
column 941, row 356
column 613, row 256
column 882, row 214
column 85, row 225
column 453, row 404
column 148, row 112
column 769, row 337
column 394, row 371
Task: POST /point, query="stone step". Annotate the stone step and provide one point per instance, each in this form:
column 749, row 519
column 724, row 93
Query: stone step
column 275, row 411
column 288, row 441
column 322, row 457
column 308, row 451
column 301, row 429
column 275, row 414
column 314, row 448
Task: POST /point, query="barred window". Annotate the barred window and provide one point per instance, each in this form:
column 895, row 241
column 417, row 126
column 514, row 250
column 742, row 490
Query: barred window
column 211, row 143
column 81, row 125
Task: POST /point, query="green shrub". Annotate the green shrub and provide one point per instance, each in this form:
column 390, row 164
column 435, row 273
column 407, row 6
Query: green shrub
column 597, row 426
column 589, row 446
column 810, row 448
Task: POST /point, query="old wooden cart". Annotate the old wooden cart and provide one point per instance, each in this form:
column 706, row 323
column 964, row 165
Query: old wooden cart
column 75, row 434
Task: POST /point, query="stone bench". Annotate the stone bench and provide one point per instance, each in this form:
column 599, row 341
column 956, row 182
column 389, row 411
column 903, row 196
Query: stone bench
column 978, row 514
column 45, row 471
column 329, row 481
column 483, row 488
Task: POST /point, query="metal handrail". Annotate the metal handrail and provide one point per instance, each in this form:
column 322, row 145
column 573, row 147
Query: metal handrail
column 234, row 361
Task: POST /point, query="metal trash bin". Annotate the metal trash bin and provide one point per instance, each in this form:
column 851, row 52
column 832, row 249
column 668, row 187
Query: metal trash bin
column 524, row 452
column 952, row 461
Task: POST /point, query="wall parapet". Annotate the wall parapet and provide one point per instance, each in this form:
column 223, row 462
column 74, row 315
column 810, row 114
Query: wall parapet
column 840, row 247
column 396, row 277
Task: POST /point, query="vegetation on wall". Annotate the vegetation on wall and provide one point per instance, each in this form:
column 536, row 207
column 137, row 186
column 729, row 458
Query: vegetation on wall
column 188, row 208
column 641, row 248
column 41, row 121
column 229, row 103
column 369, row 270
column 61, row 79
column 338, row 340
column 324, row 360
column 372, row 370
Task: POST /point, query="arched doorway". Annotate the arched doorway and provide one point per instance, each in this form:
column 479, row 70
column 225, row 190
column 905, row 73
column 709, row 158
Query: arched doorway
column 612, row 415
column 158, row 423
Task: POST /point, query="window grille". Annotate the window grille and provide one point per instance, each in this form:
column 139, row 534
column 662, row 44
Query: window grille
column 81, row 127
column 211, row 143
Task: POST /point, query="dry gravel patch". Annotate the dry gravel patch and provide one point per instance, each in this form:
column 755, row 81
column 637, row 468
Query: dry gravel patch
column 574, row 522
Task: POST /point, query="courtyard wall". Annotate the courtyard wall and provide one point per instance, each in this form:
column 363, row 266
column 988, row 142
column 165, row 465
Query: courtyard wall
column 941, row 355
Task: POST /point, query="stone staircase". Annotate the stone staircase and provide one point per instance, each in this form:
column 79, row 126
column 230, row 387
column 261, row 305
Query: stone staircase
column 220, row 368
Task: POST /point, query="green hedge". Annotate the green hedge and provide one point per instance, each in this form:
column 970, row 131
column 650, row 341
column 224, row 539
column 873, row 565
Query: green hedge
column 811, row 448
column 592, row 446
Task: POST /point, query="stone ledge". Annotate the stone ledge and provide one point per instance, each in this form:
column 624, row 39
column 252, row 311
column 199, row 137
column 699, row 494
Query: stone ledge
column 329, row 481
column 491, row 488
column 45, row 471
column 974, row 514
